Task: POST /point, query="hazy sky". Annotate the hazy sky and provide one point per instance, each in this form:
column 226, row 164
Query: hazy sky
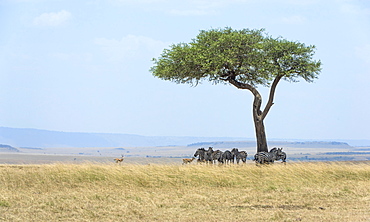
column 83, row 66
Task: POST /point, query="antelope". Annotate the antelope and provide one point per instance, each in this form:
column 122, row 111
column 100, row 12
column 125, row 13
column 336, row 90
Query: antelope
column 186, row 161
column 118, row 160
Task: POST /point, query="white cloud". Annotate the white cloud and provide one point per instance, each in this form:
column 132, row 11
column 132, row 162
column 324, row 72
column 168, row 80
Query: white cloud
column 131, row 46
column 52, row 18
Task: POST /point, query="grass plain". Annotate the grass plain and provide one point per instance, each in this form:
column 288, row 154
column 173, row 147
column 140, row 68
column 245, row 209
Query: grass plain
column 298, row 191
column 167, row 155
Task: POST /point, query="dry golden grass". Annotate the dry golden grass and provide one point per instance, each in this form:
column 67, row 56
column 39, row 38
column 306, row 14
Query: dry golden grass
column 96, row 192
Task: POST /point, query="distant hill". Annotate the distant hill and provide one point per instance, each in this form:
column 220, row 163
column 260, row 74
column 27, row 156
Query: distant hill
column 242, row 144
column 19, row 137
column 7, row 148
column 35, row 138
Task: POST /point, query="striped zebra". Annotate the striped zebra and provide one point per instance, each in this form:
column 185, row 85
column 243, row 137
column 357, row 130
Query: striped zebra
column 217, row 156
column 227, row 157
column 280, row 155
column 208, row 155
column 265, row 157
column 200, row 154
column 239, row 155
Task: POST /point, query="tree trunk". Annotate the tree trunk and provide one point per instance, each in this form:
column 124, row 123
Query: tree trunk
column 260, row 136
column 258, row 124
column 258, row 114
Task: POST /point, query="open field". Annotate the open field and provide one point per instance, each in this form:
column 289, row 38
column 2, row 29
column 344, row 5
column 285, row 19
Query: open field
column 317, row 191
column 166, row 155
column 26, row 158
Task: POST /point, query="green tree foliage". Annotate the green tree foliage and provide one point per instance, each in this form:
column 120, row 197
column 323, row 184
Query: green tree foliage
column 243, row 58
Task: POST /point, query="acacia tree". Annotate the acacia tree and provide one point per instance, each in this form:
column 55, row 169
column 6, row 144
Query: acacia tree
column 243, row 58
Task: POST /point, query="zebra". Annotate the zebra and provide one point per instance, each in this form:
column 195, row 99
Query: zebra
column 200, row 153
column 242, row 155
column 227, row 157
column 266, row 157
column 217, row 156
column 280, row 155
column 208, row 155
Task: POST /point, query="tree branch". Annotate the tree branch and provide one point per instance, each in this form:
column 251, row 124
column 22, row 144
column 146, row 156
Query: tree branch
column 239, row 85
column 271, row 97
column 257, row 113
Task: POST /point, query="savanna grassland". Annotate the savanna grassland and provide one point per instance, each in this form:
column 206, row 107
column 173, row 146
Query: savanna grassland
column 331, row 191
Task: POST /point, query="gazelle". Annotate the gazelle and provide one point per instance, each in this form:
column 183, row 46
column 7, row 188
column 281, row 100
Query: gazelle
column 186, row 161
column 119, row 160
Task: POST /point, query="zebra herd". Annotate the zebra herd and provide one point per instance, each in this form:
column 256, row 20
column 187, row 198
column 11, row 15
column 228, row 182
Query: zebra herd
column 214, row 156
column 211, row 156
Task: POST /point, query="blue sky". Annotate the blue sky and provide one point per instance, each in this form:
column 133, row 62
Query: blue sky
column 83, row 66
